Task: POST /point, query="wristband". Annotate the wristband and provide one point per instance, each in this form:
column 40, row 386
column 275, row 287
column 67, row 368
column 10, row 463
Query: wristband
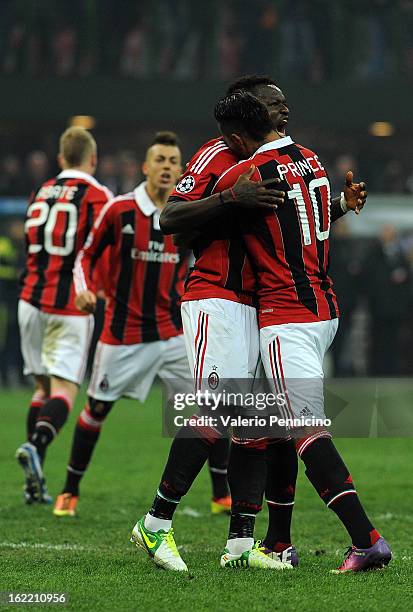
column 343, row 203
column 232, row 192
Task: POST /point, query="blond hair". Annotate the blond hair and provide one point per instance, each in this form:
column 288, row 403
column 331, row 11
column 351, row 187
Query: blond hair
column 76, row 145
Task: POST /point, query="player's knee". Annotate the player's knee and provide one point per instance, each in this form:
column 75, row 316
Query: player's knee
column 42, row 387
column 93, row 415
column 64, row 388
column 99, row 409
column 304, row 443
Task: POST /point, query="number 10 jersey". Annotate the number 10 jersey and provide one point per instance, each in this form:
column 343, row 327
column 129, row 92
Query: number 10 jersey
column 288, row 248
column 58, row 219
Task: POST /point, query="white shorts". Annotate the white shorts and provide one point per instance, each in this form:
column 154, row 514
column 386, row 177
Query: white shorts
column 128, row 370
column 54, row 345
column 222, row 341
column 292, row 355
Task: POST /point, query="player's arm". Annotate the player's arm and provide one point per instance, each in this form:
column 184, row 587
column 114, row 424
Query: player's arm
column 354, row 197
column 185, row 240
column 182, row 216
column 101, row 236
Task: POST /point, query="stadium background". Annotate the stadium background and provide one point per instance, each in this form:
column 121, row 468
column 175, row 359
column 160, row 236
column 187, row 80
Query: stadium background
column 126, row 69
column 346, row 69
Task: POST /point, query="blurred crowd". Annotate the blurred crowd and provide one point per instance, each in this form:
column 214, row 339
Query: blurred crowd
column 373, row 279
column 183, row 39
column 20, row 173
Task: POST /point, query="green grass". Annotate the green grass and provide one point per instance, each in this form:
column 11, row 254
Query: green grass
column 90, row 557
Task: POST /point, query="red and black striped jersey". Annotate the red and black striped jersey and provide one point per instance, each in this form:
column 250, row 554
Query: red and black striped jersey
column 59, row 217
column 289, row 248
column 145, row 277
column 221, row 268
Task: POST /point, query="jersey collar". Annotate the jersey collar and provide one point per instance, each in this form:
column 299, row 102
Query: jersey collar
column 275, row 144
column 78, row 174
column 143, row 200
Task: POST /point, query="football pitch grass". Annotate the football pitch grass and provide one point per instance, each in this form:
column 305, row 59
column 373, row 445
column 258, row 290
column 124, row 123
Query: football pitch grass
column 90, row 557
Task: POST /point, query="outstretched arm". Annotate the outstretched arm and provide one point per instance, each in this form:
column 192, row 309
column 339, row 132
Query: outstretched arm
column 178, row 217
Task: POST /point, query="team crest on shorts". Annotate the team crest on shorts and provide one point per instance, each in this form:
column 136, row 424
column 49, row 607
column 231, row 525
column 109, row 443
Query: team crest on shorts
column 213, row 378
column 104, row 383
column 186, row 185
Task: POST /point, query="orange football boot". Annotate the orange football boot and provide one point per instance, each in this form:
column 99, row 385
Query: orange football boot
column 65, row 505
column 221, row 505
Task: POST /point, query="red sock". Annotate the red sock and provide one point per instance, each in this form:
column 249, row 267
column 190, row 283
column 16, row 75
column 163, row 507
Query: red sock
column 281, row 546
column 374, row 536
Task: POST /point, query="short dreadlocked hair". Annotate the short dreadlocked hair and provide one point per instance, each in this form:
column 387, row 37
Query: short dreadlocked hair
column 250, row 82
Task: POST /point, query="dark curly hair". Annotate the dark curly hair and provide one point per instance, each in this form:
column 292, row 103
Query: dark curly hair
column 241, row 112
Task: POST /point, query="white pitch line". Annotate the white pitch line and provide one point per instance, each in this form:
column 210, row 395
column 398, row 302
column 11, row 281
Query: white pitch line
column 43, row 546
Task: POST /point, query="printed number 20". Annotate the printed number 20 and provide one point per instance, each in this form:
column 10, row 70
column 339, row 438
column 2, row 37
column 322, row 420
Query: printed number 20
column 48, row 215
column 296, row 194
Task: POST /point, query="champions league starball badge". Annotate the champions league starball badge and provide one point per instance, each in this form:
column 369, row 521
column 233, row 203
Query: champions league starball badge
column 186, row 185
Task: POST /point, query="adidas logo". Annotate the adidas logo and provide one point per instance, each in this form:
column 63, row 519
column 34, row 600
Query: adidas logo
column 128, row 229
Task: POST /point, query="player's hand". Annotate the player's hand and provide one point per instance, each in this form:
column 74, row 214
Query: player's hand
column 86, row 301
column 253, row 194
column 355, row 194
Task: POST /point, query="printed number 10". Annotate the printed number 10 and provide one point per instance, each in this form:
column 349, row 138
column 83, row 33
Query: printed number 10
column 297, row 195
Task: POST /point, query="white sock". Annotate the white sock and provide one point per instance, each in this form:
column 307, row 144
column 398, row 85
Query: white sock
column 236, row 546
column 155, row 524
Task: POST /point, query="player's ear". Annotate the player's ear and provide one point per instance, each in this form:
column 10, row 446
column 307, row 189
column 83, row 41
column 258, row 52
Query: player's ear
column 94, row 160
column 60, row 160
column 239, row 145
column 145, row 168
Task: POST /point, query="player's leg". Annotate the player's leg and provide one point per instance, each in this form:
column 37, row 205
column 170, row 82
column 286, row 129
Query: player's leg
column 218, row 471
column 176, row 376
column 39, row 397
column 32, row 324
column 53, row 414
column 292, row 354
column 117, row 370
column 209, row 338
column 64, row 353
column 64, row 348
column 282, row 470
column 85, row 437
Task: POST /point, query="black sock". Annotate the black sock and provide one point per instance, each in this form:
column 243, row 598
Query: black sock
column 247, row 471
column 282, row 469
column 189, row 452
column 241, row 526
column 330, row 477
column 218, row 467
column 83, row 445
column 163, row 508
column 32, row 414
column 52, row 416
column 85, row 437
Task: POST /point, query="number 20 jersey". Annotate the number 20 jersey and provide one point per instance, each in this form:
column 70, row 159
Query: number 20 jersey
column 289, row 248
column 58, row 219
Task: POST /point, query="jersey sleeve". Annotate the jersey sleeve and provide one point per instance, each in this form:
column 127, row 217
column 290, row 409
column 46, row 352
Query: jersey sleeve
column 202, row 172
column 96, row 200
column 230, row 177
column 101, row 236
